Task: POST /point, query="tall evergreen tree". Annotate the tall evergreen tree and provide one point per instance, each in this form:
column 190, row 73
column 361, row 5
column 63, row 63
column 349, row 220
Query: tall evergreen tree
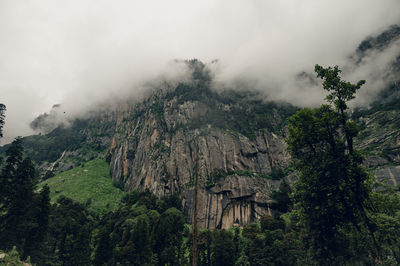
column 40, row 210
column 17, row 186
column 224, row 248
column 332, row 194
column 8, row 172
column 23, row 212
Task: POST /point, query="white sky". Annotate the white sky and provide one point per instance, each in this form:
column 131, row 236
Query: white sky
column 77, row 52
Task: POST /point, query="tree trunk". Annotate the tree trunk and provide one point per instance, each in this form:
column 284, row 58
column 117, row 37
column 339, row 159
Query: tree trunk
column 195, row 251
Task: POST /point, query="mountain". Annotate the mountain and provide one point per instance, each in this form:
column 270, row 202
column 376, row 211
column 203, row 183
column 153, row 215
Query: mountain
column 69, row 144
column 380, row 122
column 378, row 43
column 232, row 140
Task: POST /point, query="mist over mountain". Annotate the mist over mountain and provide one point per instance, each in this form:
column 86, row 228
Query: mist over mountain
column 173, row 133
column 375, row 59
column 81, row 53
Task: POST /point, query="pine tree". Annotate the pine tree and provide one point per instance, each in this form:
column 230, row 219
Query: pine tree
column 17, row 197
column 333, row 191
column 8, row 172
column 40, row 210
column 24, row 213
column 104, row 250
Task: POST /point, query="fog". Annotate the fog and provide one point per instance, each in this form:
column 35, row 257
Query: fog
column 81, row 52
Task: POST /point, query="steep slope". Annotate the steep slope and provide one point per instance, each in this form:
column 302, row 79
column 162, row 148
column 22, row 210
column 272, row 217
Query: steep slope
column 231, row 140
column 69, row 144
column 88, row 184
column 380, row 123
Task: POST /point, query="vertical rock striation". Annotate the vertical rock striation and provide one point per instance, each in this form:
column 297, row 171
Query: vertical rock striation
column 158, row 142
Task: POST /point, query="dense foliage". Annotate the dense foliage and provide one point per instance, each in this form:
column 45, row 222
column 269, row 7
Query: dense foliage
column 23, row 213
column 80, row 134
column 84, row 139
column 333, row 197
column 335, row 214
column 144, row 230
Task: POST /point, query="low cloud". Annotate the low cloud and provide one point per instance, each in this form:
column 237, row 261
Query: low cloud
column 83, row 52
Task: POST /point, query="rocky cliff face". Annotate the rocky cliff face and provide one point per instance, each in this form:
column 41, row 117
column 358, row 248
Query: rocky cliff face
column 379, row 139
column 380, row 142
column 231, row 142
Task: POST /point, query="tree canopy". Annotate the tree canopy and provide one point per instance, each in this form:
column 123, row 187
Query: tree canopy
column 333, row 197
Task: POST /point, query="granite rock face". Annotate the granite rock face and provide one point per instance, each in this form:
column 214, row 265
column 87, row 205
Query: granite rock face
column 237, row 200
column 379, row 138
column 380, row 142
column 389, row 175
column 162, row 143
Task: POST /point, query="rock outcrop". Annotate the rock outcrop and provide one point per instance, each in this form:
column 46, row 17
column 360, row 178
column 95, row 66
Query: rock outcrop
column 161, row 143
column 236, row 200
column 380, row 143
column 390, row 175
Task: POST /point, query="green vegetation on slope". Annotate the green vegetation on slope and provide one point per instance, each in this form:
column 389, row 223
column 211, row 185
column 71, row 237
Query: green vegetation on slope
column 89, row 183
column 11, row 258
column 70, row 145
column 343, row 218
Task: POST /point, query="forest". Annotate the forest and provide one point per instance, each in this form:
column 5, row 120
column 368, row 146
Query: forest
column 335, row 213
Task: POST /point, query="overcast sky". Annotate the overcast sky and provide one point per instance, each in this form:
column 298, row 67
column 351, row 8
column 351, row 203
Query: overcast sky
column 79, row 52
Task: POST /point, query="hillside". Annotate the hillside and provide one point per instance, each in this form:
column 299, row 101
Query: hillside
column 379, row 139
column 233, row 140
column 69, row 144
column 89, row 184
